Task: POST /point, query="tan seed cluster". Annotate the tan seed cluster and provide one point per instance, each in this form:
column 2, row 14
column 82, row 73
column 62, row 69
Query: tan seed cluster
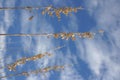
column 86, row 35
column 44, row 70
column 24, row 60
column 57, row 11
column 67, row 36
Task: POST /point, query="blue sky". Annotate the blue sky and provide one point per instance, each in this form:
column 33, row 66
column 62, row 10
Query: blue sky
column 91, row 59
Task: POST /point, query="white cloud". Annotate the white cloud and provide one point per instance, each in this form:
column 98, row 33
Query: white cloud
column 3, row 45
column 32, row 77
column 9, row 15
column 5, row 23
column 70, row 73
column 73, row 25
column 67, row 59
column 102, row 54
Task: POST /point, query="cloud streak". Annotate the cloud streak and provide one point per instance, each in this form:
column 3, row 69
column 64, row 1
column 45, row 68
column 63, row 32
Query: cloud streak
column 5, row 23
column 102, row 53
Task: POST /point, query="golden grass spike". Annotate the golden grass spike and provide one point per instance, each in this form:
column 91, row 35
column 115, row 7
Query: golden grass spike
column 50, row 10
column 15, row 64
column 43, row 70
column 47, row 69
column 47, row 8
column 56, row 48
column 62, row 35
column 12, row 66
column 57, row 11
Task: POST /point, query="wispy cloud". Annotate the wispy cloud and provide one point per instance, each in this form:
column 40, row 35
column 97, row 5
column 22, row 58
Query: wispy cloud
column 5, row 23
column 2, row 47
column 32, row 77
column 102, row 53
column 69, row 72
